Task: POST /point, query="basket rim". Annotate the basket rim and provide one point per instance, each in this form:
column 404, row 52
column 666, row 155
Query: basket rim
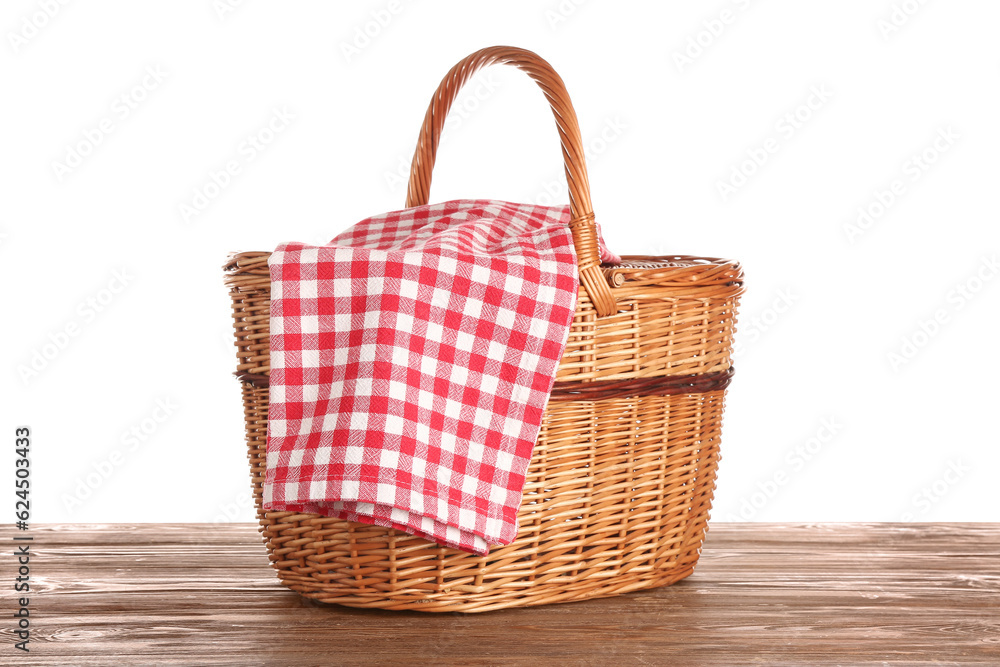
column 687, row 270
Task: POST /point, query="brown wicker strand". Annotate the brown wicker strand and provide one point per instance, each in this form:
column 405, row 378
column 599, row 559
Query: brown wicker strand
column 599, row 390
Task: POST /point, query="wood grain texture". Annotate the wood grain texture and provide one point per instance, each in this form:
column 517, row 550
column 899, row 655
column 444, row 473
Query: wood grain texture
column 826, row 594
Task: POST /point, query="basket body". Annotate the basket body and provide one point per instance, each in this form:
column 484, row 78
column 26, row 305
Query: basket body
column 620, row 482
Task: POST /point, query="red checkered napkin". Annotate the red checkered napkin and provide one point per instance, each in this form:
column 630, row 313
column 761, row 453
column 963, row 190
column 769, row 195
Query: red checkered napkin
column 411, row 362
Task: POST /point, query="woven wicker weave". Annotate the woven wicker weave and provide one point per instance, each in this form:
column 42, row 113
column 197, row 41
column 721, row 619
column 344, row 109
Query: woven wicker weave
column 621, row 479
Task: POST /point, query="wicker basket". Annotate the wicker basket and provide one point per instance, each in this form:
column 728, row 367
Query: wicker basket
column 621, row 479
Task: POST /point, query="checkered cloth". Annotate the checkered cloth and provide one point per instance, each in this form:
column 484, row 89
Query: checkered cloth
column 411, row 362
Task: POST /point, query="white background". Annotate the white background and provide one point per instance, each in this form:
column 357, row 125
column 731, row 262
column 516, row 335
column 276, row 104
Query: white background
column 822, row 423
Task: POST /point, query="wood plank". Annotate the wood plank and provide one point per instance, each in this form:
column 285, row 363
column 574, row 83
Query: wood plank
column 897, row 594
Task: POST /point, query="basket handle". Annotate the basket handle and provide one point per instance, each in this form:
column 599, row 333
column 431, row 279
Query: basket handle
column 582, row 223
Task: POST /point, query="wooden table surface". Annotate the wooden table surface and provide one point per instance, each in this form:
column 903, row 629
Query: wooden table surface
column 822, row 594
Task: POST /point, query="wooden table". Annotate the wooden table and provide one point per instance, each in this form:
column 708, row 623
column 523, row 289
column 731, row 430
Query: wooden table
column 885, row 594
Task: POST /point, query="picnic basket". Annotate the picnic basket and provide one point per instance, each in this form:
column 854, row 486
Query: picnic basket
column 621, row 478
